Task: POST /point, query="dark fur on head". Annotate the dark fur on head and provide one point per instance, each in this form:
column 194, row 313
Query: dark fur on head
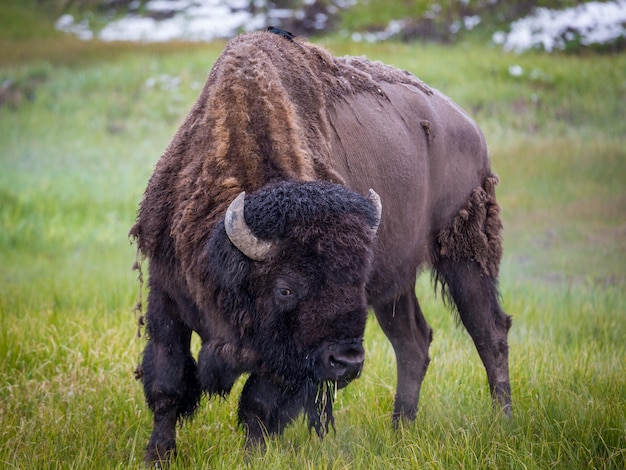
column 272, row 212
column 322, row 231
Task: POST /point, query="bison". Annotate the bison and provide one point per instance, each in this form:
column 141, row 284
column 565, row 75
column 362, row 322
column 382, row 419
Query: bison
column 300, row 189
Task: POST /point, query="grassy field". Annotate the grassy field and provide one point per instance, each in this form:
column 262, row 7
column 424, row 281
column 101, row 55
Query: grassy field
column 81, row 126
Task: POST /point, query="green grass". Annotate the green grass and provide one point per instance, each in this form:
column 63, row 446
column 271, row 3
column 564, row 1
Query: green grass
column 21, row 18
column 78, row 144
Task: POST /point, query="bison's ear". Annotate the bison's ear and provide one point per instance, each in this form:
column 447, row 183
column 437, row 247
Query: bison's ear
column 375, row 200
column 240, row 234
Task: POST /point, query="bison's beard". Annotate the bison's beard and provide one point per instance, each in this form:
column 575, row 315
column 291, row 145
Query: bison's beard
column 297, row 376
column 318, row 406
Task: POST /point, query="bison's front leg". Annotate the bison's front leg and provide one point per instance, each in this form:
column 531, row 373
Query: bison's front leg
column 169, row 374
column 265, row 408
column 404, row 324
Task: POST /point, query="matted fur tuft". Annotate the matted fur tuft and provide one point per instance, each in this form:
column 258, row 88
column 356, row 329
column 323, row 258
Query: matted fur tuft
column 474, row 235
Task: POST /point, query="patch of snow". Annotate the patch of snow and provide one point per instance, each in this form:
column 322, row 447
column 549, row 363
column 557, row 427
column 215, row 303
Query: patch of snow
column 589, row 23
column 205, row 20
column 164, row 82
column 516, row 70
column 197, row 20
column 167, row 5
column 194, row 20
column 434, row 11
column 470, row 22
column 343, row 4
column 394, row 27
column 66, row 23
column 320, row 21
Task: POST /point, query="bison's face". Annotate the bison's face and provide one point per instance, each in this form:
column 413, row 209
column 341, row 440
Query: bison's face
column 311, row 313
column 298, row 268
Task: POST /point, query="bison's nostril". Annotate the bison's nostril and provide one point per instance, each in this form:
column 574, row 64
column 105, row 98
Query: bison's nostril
column 343, row 362
column 345, row 366
column 340, row 363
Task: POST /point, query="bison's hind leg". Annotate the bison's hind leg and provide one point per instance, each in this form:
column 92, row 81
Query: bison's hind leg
column 466, row 262
column 476, row 300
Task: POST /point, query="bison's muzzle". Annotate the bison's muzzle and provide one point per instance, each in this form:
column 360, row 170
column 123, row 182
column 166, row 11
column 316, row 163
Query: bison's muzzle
column 340, row 363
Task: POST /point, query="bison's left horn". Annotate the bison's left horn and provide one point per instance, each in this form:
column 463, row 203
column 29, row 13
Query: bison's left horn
column 240, row 234
column 375, row 200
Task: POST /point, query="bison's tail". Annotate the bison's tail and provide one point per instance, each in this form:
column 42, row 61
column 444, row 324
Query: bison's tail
column 139, row 308
column 474, row 235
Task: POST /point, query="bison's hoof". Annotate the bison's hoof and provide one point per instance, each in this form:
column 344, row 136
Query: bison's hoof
column 159, row 455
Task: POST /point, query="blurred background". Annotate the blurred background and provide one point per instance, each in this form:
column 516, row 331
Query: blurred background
column 92, row 91
column 519, row 25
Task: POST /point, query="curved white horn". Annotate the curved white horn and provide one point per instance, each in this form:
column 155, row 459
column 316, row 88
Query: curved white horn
column 240, row 234
column 375, row 200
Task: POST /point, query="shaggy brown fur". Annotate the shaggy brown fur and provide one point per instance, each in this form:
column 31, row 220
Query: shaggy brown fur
column 475, row 234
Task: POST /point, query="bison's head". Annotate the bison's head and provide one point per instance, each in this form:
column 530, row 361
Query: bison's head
column 292, row 261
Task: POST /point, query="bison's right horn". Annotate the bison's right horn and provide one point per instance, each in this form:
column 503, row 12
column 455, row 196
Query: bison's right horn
column 240, row 234
column 375, row 200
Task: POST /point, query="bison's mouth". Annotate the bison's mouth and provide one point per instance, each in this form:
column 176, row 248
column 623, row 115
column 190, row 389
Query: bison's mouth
column 313, row 380
column 335, row 366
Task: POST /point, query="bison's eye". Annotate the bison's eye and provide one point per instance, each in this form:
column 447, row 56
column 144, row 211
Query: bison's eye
column 284, row 292
column 286, row 295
